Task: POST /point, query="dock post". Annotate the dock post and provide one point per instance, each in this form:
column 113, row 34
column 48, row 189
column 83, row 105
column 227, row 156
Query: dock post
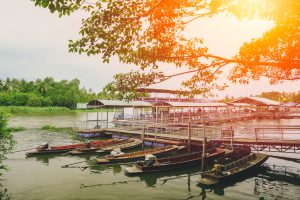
column 86, row 120
column 189, row 136
column 231, row 134
column 97, row 119
column 106, row 117
column 203, row 154
column 156, row 110
column 101, row 120
column 255, row 132
column 143, row 137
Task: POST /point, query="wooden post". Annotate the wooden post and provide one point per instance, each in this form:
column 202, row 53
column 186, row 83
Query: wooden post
column 161, row 122
column 189, row 136
column 106, row 117
column 97, row 120
column 174, row 114
column 156, row 110
column 133, row 118
column 189, row 114
column 114, row 112
column 86, row 119
column 101, row 116
column 231, row 133
column 203, row 154
column 255, row 131
column 143, row 137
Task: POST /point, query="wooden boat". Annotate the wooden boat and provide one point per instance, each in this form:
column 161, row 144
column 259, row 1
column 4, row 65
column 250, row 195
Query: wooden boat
column 151, row 164
column 45, row 149
column 220, row 172
column 123, row 145
column 138, row 155
column 93, row 133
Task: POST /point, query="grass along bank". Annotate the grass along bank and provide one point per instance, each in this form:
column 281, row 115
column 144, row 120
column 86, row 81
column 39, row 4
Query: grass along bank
column 30, row 109
column 56, row 129
column 45, row 127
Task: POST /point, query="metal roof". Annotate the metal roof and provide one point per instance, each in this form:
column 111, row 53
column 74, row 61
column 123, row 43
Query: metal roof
column 239, row 104
column 196, row 104
column 290, row 104
column 259, row 101
column 97, row 103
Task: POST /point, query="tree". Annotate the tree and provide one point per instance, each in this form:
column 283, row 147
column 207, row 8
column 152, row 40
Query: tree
column 149, row 32
column 6, row 144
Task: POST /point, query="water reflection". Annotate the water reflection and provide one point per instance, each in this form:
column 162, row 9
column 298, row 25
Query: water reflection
column 161, row 178
column 267, row 182
column 98, row 169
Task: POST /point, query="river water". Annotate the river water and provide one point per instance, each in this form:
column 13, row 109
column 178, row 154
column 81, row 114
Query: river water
column 44, row 178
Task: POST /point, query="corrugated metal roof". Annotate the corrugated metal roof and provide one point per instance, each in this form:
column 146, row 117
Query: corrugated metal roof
column 240, row 104
column 289, row 104
column 117, row 103
column 262, row 101
column 196, row 104
column 266, row 101
column 121, row 103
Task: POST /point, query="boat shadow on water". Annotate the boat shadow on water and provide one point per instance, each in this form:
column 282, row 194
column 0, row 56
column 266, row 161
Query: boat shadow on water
column 264, row 174
column 162, row 177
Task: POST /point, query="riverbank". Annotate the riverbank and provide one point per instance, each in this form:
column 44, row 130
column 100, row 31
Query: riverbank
column 29, row 109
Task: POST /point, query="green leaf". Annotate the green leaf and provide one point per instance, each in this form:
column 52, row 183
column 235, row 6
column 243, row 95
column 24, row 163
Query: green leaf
column 51, row 7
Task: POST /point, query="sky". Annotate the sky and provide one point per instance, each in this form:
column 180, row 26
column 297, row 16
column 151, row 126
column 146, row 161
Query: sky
column 33, row 44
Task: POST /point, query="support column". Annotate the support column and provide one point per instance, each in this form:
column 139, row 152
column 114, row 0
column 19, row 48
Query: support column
column 106, row 117
column 189, row 137
column 101, row 120
column 156, row 110
column 203, row 153
column 97, row 119
column 86, row 119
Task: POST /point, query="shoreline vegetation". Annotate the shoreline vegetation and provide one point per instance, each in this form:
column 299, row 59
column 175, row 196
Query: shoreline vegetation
column 40, row 110
column 56, row 129
column 44, row 127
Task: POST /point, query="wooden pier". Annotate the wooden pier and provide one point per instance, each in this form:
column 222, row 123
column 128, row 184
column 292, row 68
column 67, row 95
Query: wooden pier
column 265, row 138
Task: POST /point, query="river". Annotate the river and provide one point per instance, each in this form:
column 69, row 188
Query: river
column 43, row 178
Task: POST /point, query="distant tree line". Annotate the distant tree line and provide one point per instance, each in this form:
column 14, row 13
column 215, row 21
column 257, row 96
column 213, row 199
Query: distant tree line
column 276, row 96
column 282, row 96
column 46, row 92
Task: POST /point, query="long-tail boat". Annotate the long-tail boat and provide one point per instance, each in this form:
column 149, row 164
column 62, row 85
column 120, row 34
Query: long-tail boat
column 138, row 155
column 93, row 133
column 239, row 167
column 123, row 145
column 45, row 149
column 151, row 164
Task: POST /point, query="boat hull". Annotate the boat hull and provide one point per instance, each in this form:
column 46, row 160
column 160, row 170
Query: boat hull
column 141, row 156
column 163, row 166
column 123, row 146
column 66, row 148
column 48, row 152
column 93, row 134
column 211, row 180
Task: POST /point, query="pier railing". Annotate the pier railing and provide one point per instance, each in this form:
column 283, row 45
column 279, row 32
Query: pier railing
column 277, row 132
